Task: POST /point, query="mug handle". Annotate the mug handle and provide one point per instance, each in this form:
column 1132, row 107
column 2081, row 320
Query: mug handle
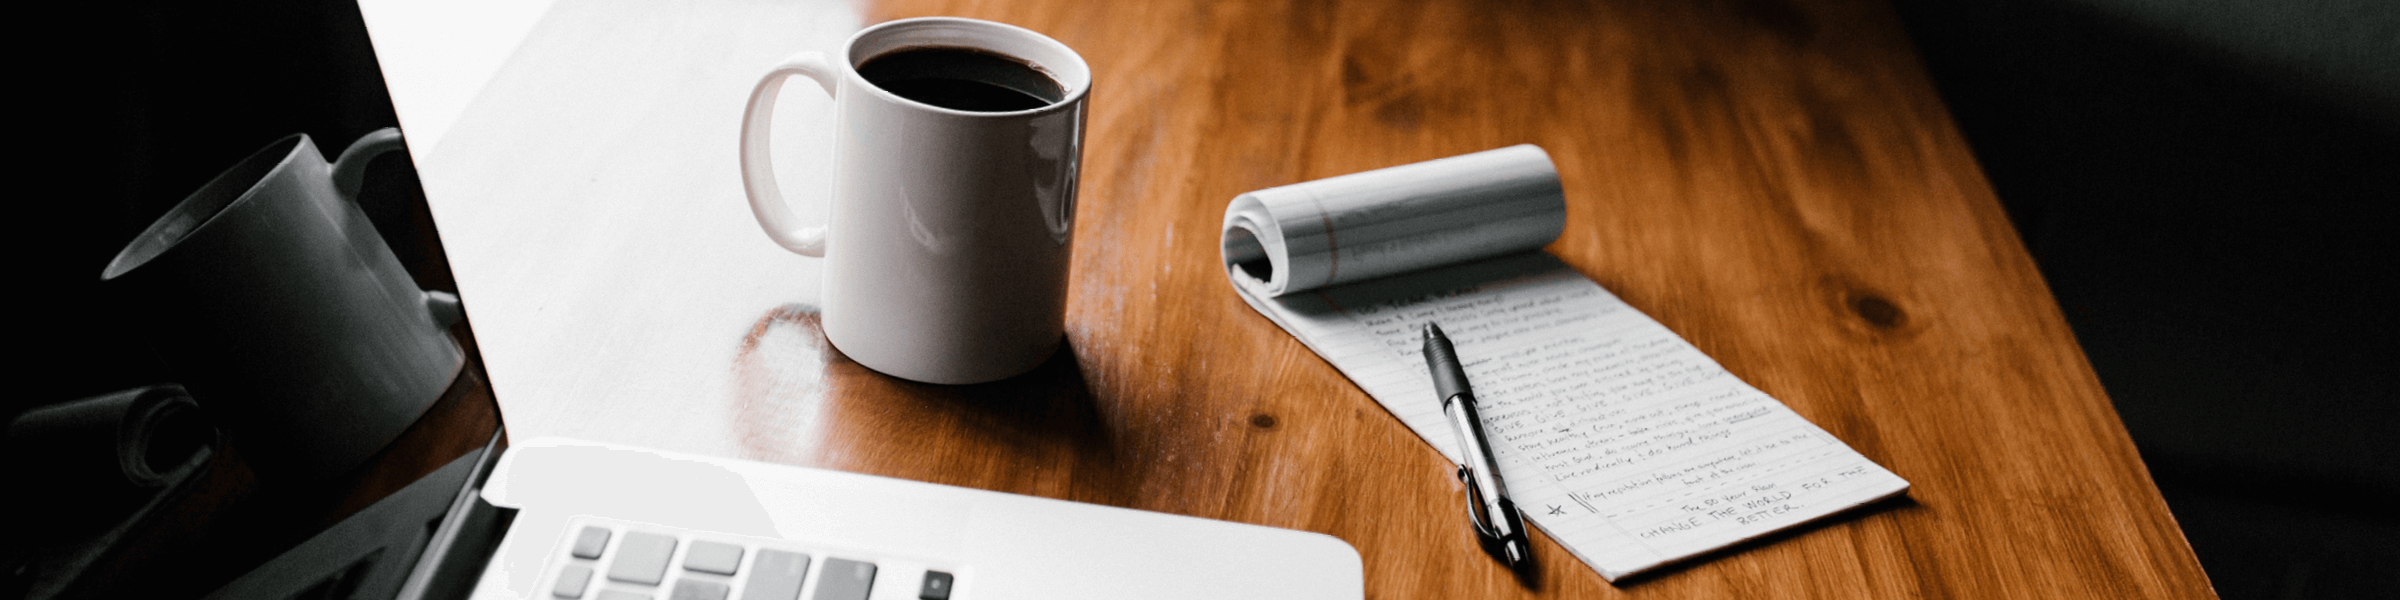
column 350, row 174
column 350, row 171
column 758, row 169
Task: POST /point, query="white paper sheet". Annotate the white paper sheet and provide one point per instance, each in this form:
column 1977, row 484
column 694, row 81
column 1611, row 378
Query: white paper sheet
column 1622, row 441
column 1378, row 223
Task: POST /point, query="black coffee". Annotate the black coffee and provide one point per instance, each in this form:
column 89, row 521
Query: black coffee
column 962, row 79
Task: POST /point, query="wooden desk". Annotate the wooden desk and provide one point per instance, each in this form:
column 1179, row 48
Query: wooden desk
column 1777, row 182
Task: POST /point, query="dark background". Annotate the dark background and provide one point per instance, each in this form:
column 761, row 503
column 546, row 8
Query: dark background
column 134, row 105
column 2208, row 186
column 142, row 104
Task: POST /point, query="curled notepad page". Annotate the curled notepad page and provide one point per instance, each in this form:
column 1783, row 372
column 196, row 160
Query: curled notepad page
column 1621, row 440
column 1362, row 226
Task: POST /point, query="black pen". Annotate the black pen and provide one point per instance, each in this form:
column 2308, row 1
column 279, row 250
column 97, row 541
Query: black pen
column 1489, row 510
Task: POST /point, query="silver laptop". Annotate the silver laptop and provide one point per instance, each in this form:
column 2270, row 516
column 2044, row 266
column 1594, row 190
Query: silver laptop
column 620, row 523
column 563, row 519
column 567, row 519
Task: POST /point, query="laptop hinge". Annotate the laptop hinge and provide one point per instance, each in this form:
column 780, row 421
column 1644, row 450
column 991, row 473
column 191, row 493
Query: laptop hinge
column 453, row 561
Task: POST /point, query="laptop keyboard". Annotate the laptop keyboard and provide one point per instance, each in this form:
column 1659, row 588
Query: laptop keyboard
column 619, row 560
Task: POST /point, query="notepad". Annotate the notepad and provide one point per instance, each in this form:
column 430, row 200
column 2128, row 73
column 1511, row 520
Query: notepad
column 1616, row 437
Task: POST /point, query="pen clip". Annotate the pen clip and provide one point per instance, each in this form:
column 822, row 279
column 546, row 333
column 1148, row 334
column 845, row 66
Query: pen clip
column 1476, row 515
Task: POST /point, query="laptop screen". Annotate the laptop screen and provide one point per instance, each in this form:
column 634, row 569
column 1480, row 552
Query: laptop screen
column 245, row 330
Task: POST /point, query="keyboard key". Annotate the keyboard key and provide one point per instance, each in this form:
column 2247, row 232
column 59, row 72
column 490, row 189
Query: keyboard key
column 589, row 543
column 937, row 586
column 712, row 557
column 776, row 575
column 642, row 558
column 694, row 589
column 571, row 581
column 845, row 579
column 622, row 595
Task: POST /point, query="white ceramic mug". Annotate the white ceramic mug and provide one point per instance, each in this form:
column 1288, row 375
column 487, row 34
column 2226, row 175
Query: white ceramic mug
column 946, row 245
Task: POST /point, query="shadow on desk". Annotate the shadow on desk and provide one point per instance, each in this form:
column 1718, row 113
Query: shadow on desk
column 1040, row 433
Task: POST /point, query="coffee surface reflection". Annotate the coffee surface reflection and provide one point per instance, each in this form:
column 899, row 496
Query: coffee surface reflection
column 966, row 79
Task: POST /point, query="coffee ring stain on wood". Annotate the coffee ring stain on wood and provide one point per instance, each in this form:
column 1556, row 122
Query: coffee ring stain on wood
column 796, row 314
column 781, row 379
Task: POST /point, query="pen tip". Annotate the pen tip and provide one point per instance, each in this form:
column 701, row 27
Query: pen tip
column 1432, row 329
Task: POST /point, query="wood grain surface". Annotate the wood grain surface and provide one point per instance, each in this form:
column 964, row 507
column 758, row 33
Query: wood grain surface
column 1775, row 181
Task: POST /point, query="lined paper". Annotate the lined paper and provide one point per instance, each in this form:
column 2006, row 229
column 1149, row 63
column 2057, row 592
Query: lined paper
column 1618, row 438
column 1362, row 226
